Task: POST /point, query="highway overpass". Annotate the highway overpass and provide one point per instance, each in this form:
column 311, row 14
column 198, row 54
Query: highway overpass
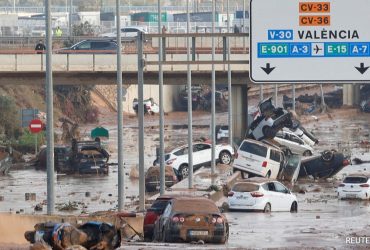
column 100, row 69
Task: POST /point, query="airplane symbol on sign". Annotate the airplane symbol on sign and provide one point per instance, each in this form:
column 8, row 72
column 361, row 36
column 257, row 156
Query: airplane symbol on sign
column 317, row 49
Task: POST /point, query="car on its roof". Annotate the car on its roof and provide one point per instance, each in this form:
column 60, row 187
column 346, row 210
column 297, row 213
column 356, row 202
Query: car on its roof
column 262, row 194
column 192, row 219
column 355, row 186
column 91, row 46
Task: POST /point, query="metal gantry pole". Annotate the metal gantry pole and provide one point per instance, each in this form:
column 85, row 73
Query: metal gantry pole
column 244, row 30
column 229, row 102
column 190, row 100
column 140, row 75
column 70, row 28
column 121, row 171
column 261, row 92
column 293, row 94
column 213, row 109
column 276, row 94
column 49, row 113
column 161, row 111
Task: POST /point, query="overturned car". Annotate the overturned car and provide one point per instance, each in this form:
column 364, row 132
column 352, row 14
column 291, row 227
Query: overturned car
column 268, row 121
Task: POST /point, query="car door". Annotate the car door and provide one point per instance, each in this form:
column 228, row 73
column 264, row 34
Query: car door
column 272, row 196
column 284, row 198
column 299, row 144
column 83, row 47
column 201, row 154
column 274, row 163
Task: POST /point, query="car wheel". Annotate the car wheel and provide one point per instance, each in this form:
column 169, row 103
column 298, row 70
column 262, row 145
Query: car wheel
column 184, row 170
column 225, row 157
column 267, row 208
column 294, row 207
column 327, row 155
column 268, row 132
column 307, row 153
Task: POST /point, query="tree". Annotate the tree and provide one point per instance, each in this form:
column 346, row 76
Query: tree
column 9, row 120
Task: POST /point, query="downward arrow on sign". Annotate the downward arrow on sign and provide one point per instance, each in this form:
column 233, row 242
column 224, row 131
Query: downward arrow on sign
column 268, row 69
column 362, row 69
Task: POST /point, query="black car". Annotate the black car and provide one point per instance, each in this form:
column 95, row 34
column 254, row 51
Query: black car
column 91, row 47
column 325, row 165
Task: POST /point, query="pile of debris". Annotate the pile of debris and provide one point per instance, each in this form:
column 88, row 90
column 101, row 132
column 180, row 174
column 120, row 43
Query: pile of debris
column 278, row 154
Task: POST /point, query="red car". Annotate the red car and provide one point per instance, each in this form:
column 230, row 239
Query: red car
column 153, row 213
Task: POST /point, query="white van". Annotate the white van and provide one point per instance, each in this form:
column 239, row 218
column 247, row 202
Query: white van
column 258, row 158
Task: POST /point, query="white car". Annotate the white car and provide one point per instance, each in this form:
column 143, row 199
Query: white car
column 355, row 186
column 128, row 34
column 258, row 158
column 150, row 107
column 263, row 195
column 302, row 133
column 202, row 155
column 268, row 121
column 294, row 143
column 223, row 132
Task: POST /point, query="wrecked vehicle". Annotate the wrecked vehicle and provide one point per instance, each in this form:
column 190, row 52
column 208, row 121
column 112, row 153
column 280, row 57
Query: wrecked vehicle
column 302, row 133
column 262, row 194
column 266, row 159
column 355, row 186
column 268, row 121
column 88, row 157
column 202, row 156
column 5, row 160
column 183, row 97
column 192, row 219
column 294, row 143
column 325, row 165
column 152, row 178
column 258, row 158
column 91, row 235
column 152, row 215
column 150, row 107
column 83, row 157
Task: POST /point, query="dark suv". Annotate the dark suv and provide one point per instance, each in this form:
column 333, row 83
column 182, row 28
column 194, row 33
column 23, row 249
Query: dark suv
column 91, row 47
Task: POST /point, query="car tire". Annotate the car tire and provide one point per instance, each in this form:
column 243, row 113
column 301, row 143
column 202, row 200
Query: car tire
column 307, row 153
column 294, row 207
column 184, row 170
column 267, row 208
column 327, row 155
column 225, row 157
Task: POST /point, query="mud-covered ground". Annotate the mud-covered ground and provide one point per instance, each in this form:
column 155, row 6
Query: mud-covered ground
column 322, row 220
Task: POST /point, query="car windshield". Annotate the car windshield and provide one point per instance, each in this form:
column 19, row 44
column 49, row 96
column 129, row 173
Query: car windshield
column 159, row 205
column 353, row 179
column 245, row 187
column 254, row 149
column 195, row 206
column 224, row 127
